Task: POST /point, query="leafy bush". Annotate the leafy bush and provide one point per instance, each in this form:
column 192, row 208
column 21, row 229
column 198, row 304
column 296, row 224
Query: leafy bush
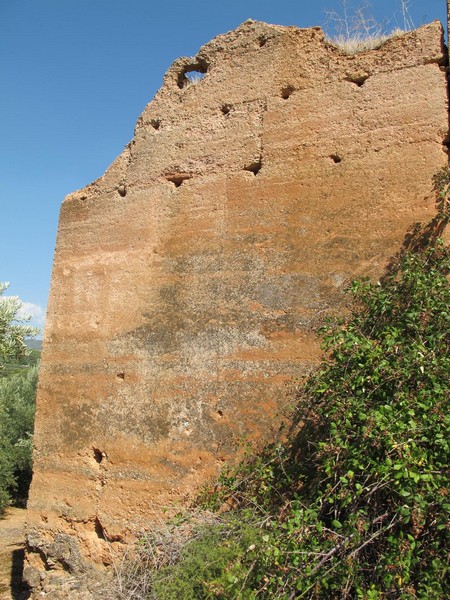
column 18, row 378
column 213, row 564
column 17, row 406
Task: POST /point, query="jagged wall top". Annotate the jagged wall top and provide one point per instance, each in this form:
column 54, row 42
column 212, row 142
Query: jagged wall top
column 250, row 48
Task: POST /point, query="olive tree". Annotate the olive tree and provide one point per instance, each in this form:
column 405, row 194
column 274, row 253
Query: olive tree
column 14, row 329
column 17, row 401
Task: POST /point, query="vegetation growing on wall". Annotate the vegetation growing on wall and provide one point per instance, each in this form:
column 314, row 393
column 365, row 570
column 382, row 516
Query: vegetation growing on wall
column 356, row 503
column 355, row 30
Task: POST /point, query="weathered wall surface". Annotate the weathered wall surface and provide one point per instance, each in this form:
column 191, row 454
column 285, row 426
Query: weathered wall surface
column 188, row 280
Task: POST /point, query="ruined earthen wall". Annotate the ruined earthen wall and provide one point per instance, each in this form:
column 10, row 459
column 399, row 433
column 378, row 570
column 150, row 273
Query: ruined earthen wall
column 189, row 279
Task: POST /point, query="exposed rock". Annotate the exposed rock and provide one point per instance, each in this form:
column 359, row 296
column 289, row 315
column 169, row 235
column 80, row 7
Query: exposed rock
column 189, row 279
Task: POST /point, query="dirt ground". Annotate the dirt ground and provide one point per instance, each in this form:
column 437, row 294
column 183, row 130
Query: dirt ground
column 11, row 554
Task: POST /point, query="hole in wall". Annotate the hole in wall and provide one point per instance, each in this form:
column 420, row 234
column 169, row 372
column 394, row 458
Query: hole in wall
column 122, row 189
column 226, row 108
column 121, row 375
column 254, row 167
column 155, row 123
column 335, row 158
column 192, row 74
column 177, row 180
column 262, row 41
column 98, row 455
column 287, row 91
column 194, row 77
column 220, row 413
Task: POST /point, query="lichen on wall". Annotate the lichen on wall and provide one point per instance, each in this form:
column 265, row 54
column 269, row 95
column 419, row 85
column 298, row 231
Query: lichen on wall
column 188, row 281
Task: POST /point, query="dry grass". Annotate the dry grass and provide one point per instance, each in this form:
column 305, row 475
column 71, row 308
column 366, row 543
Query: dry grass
column 133, row 571
column 362, row 43
column 355, row 30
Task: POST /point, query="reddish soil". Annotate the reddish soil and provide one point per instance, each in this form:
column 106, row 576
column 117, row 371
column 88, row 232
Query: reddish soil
column 11, row 554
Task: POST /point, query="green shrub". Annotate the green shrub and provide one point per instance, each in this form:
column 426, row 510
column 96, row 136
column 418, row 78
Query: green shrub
column 356, row 504
column 214, row 564
column 17, row 406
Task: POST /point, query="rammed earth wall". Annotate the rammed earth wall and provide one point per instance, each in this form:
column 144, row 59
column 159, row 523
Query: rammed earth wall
column 189, row 279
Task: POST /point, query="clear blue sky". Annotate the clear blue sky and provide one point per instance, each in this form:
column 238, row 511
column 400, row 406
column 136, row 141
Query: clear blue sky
column 76, row 74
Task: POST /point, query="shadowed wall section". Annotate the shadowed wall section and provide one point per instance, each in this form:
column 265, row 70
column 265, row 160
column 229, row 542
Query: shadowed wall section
column 189, row 279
